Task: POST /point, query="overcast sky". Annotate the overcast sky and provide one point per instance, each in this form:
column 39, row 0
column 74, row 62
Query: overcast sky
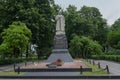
column 110, row 9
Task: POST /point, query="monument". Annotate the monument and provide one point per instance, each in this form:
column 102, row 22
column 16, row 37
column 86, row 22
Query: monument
column 60, row 50
column 59, row 55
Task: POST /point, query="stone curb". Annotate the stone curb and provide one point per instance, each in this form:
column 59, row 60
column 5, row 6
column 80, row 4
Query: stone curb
column 60, row 77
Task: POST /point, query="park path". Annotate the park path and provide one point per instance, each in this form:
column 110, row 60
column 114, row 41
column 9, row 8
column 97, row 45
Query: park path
column 114, row 67
column 11, row 67
column 51, row 74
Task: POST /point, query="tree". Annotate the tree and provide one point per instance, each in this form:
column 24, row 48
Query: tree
column 70, row 21
column 87, row 22
column 114, row 39
column 5, row 50
column 95, row 25
column 95, row 48
column 36, row 14
column 15, row 39
column 116, row 25
column 84, row 47
column 75, row 46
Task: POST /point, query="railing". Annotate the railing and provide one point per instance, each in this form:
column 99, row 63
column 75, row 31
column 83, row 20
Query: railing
column 99, row 66
column 81, row 70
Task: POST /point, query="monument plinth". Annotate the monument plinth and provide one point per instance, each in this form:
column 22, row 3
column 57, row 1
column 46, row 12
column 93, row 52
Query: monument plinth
column 60, row 50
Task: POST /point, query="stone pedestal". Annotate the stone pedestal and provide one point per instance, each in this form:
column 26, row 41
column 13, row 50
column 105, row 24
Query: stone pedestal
column 60, row 50
column 60, row 42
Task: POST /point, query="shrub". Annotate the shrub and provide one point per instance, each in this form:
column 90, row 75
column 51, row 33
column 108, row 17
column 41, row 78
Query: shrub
column 115, row 58
column 15, row 60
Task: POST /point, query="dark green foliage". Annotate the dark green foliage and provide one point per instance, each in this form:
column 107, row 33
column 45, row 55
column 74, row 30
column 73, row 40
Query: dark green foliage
column 84, row 47
column 116, row 25
column 75, row 47
column 114, row 39
column 36, row 14
column 115, row 58
column 15, row 40
column 15, row 60
column 87, row 22
column 113, row 51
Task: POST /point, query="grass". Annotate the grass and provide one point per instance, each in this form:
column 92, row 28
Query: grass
column 10, row 73
column 95, row 70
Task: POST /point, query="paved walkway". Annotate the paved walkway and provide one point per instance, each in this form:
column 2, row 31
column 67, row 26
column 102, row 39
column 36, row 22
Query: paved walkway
column 51, row 74
column 11, row 67
column 114, row 68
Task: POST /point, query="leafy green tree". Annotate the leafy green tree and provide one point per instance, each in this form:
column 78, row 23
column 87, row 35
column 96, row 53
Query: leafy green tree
column 116, row 25
column 114, row 39
column 84, row 47
column 36, row 14
column 15, row 39
column 87, row 22
column 95, row 26
column 5, row 50
column 70, row 21
column 95, row 48
column 75, row 46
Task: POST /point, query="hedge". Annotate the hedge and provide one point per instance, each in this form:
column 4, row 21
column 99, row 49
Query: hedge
column 15, row 60
column 115, row 58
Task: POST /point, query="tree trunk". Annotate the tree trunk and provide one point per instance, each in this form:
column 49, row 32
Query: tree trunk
column 84, row 53
column 27, row 53
column 14, row 51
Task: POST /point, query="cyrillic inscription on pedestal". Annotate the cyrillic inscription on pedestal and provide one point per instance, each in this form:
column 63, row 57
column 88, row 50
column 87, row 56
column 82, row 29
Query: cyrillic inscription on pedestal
column 60, row 41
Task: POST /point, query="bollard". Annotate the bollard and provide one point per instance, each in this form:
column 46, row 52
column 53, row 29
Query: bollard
column 33, row 62
column 81, row 71
column 93, row 62
column 99, row 65
column 107, row 69
column 18, row 69
column 38, row 61
column 14, row 67
column 90, row 61
column 25, row 63
column 86, row 60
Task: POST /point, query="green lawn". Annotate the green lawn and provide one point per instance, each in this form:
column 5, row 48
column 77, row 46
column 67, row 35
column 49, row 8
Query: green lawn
column 10, row 73
column 95, row 70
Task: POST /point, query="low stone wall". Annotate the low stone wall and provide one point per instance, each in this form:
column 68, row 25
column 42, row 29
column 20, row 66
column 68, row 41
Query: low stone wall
column 55, row 70
column 60, row 77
